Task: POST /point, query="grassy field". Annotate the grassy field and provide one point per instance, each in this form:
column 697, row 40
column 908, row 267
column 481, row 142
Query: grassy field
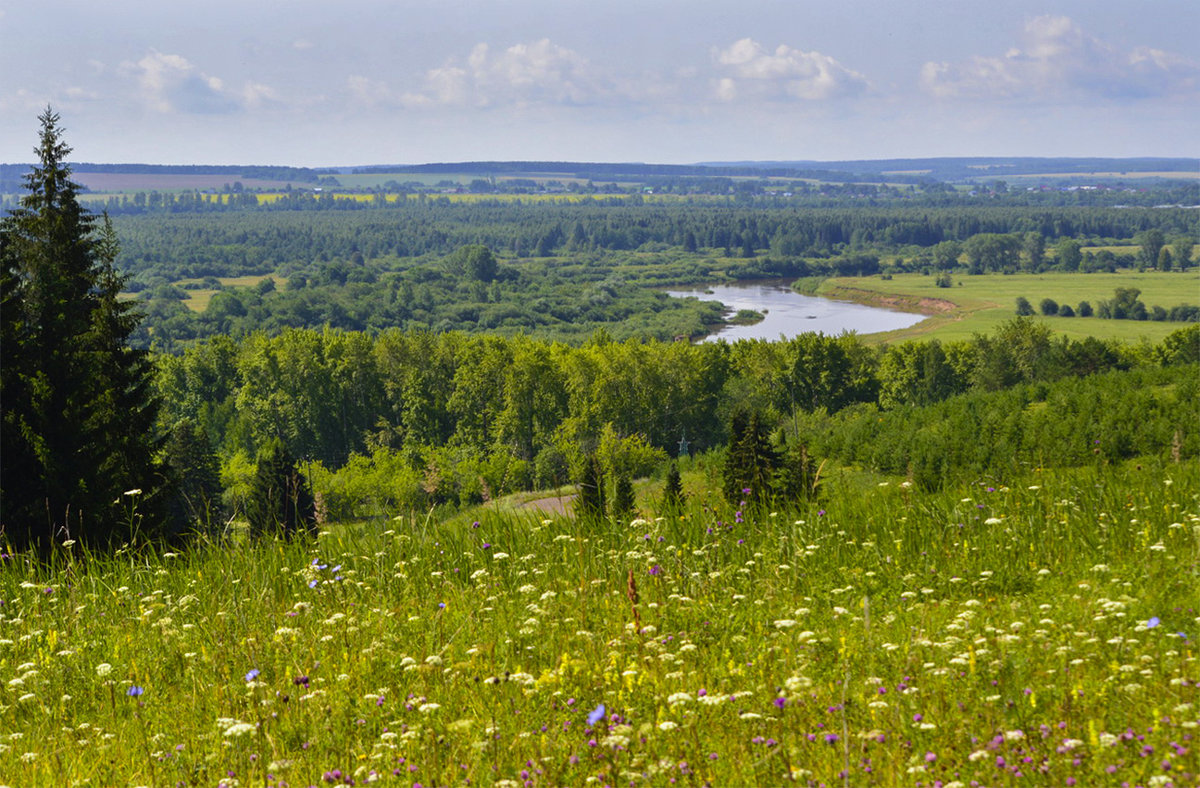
column 981, row 303
column 1044, row 634
column 197, row 300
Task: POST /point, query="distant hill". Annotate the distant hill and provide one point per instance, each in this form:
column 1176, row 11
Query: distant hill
column 610, row 171
column 170, row 176
column 991, row 167
column 117, row 177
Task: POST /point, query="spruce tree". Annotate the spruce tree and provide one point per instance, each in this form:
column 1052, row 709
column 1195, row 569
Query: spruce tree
column 759, row 461
column 799, row 474
column 750, row 462
column 280, row 501
column 732, row 471
column 79, row 416
column 623, row 503
column 195, row 502
column 673, row 491
column 590, row 503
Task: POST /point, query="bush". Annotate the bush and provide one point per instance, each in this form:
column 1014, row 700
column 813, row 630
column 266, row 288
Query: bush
column 1049, row 307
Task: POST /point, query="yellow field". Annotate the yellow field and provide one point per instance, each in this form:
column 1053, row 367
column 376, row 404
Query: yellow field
column 197, row 300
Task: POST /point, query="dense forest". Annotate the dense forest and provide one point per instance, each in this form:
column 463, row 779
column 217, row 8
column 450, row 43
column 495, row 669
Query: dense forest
column 455, row 419
column 562, row 269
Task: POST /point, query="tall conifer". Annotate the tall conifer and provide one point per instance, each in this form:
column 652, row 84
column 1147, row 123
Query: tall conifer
column 78, row 411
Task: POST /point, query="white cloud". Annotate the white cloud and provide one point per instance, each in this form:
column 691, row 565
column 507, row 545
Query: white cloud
column 539, row 72
column 785, row 73
column 170, row 83
column 1059, row 59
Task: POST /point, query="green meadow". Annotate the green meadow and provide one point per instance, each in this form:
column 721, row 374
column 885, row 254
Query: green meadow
column 1043, row 633
column 979, row 304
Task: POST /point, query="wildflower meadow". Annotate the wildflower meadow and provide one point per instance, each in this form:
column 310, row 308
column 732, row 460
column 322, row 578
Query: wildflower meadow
column 1040, row 633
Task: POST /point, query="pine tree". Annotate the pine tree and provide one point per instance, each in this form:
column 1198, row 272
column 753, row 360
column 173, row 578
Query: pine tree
column 280, row 500
column 79, row 415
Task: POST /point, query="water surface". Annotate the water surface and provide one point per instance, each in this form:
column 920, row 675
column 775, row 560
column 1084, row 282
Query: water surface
column 788, row 313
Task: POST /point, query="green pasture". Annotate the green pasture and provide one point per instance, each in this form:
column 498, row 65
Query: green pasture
column 978, row 304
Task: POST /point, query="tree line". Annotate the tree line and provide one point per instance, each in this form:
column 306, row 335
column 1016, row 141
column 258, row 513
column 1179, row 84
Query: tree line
column 457, row 418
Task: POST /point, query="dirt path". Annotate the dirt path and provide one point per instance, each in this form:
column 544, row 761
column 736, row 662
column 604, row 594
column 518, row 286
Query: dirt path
column 559, row 504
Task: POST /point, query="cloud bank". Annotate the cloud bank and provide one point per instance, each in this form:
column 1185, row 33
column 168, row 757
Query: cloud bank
column 170, row 83
column 535, row 73
column 1059, row 59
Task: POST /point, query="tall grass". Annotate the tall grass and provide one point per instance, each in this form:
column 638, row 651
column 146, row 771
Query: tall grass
column 879, row 636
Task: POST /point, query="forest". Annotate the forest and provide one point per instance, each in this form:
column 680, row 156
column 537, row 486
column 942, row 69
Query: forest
column 563, row 269
column 456, row 419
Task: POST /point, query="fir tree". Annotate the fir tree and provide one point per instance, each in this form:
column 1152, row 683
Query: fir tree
column 79, row 415
column 280, row 500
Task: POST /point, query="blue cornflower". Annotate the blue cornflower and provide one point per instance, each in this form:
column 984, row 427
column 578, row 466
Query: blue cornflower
column 252, row 675
column 596, row 715
column 134, row 691
column 1153, row 622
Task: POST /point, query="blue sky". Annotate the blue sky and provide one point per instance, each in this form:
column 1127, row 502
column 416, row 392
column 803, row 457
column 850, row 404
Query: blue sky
column 410, row 81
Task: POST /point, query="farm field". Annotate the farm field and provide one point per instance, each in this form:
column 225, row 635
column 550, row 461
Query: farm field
column 981, row 303
column 1043, row 632
column 116, row 182
column 197, row 300
column 1173, row 174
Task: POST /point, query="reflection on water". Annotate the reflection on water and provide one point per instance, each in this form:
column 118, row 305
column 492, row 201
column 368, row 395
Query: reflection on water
column 787, row 313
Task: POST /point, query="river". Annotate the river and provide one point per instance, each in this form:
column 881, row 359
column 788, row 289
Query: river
column 788, row 313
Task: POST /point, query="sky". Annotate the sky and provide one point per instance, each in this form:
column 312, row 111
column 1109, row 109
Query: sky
column 354, row 82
